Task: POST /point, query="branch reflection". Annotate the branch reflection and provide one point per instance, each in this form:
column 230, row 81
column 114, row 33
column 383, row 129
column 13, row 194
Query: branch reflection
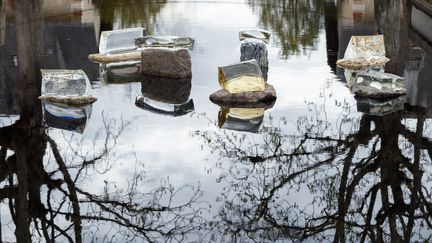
column 366, row 181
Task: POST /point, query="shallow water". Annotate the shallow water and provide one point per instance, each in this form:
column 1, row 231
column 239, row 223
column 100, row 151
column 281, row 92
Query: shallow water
column 320, row 166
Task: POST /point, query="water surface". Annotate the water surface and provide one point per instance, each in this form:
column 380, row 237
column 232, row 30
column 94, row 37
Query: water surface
column 321, row 165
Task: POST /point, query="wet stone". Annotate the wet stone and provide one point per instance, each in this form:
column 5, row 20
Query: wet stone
column 166, row 63
column 245, row 99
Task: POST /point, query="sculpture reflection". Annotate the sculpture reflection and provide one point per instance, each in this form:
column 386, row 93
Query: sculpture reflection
column 241, row 119
column 66, row 117
column 119, row 73
column 41, row 190
column 366, row 183
column 380, row 107
column 168, row 96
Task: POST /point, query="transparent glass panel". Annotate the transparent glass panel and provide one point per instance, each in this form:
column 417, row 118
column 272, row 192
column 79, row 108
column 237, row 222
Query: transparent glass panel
column 165, row 41
column 72, row 83
column 259, row 34
column 117, row 41
column 241, row 77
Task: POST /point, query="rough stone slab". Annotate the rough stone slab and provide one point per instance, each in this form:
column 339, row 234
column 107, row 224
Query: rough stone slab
column 166, row 63
column 113, row 58
column 71, row 101
column 374, row 93
column 245, row 99
column 361, row 63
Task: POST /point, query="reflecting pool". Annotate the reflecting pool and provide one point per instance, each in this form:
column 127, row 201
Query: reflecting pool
column 317, row 165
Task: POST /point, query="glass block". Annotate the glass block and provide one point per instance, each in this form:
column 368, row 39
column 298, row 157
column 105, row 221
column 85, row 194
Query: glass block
column 350, row 75
column 241, row 77
column 68, row 83
column 118, row 41
column 165, row 41
column 364, row 51
column 259, row 34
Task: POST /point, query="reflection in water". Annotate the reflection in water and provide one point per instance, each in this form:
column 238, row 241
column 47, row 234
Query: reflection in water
column 241, row 119
column 119, row 73
column 41, row 193
column 364, row 185
column 166, row 95
column 296, row 24
column 353, row 179
column 409, row 52
column 379, row 107
column 127, row 13
column 66, row 117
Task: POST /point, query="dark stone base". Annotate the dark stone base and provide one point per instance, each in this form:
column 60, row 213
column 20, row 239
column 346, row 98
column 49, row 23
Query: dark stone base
column 264, row 99
column 372, row 93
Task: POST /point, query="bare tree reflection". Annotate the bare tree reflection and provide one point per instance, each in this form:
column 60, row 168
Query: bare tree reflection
column 364, row 182
column 41, row 181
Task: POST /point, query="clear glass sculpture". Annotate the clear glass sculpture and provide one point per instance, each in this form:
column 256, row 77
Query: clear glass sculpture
column 67, row 83
column 259, row 34
column 165, row 41
column 118, row 41
column 241, row 77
